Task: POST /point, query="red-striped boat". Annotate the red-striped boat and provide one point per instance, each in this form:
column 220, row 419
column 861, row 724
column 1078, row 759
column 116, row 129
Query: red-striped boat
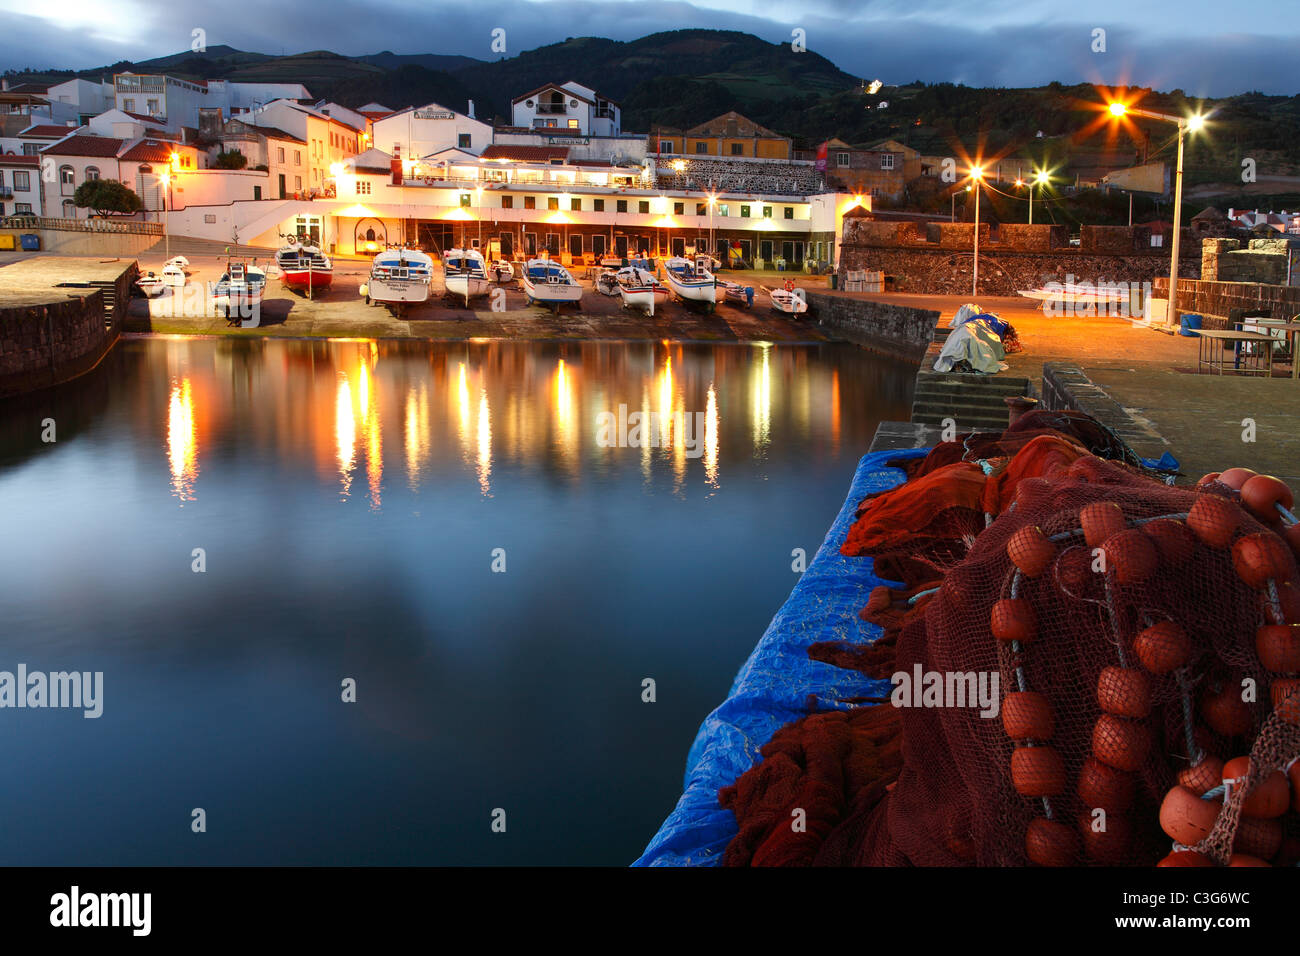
column 303, row 266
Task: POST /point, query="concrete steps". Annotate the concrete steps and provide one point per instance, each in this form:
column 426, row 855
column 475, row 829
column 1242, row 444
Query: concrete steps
column 972, row 401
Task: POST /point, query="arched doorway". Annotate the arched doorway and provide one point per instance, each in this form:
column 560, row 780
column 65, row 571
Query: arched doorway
column 369, row 237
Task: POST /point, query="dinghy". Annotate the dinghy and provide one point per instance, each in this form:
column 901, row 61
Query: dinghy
column 638, row 288
column 550, row 284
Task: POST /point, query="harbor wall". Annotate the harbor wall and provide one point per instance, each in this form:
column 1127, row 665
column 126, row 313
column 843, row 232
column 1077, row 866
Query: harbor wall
column 54, row 342
column 101, row 245
column 896, row 330
column 1216, row 300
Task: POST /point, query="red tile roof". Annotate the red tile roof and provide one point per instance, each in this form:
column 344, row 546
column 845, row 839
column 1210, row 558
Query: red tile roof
column 526, row 154
column 46, row 131
column 84, row 144
column 151, row 151
column 11, row 159
column 145, row 119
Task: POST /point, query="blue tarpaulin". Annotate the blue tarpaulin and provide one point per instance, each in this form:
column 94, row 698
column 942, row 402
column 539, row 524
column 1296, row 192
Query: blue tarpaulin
column 774, row 685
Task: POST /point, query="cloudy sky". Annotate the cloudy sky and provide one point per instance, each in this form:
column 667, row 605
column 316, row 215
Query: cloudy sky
column 1205, row 47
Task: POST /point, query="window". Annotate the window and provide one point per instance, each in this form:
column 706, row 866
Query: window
column 744, row 212
column 128, row 105
column 643, row 206
column 724, row 209
column 789, row 212
column 507, row 202
column 622, row 205
column 31, row 149
column 767, row 212
column 552, row 202
column 666, row 146
column 463, row 140
column 701, row 209
column 573, row 124
column 92, row 172
column 363, row 188
column 887, row 161
column 69, row 210
column 575, row 205
column 464, row 200
column 842, row 160
column 679, row 209
column 66, row 180
column 598, row 205
column 151, row 106
column 280, row 154
column 257, row 194
column 701, row 147
column 297, row 182
column 737, row 149
column 297, row 157
column 22, row 181
column 530, row 202
column 22, row 209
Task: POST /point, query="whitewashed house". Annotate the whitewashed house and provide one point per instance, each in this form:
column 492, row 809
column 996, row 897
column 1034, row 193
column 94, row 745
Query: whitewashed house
column 569, row 106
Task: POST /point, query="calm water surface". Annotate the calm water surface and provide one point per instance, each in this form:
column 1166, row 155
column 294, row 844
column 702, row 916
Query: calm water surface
column 349, row 497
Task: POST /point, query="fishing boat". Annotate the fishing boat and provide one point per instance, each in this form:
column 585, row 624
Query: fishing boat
column 173, row 276
column 150, row 284
column 737, row 293
column 464, row 274
column 607, row 282
column 692, row 281
column 638, row 288
column 398, row 277
column 500, row 270
column 788, row 301
column 239, row 291
column 180, row 262
column 550, row 284
column 303, row 266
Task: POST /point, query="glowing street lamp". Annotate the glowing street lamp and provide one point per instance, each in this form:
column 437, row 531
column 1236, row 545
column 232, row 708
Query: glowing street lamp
column 1184, row 124
column 166, row 180
column 1040, row 179
column 977, row 177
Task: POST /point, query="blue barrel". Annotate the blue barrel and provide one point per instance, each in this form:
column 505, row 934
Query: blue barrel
column 1189, row 323
column 31, row 242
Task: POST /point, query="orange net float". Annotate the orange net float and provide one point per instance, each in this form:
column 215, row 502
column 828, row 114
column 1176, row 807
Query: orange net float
column 1163, row 647
column 1203, row 776
column 1027, row 715
column 1031, row 551
column 1263, row 495
column 1013, row 619
column 1124, row 692
column 1185, row 817
column 1131, row 557
column 1278, row 647
column 1234, row 478
column 1105, row 788
column 1224, row 710
column 1242, row 859
column 1037, row 771
column 1186, row 858
column 1214, row 520
column 1121, row 743
column 1101, row 520
column 1261, row 557
column 1051, row 843
column 1173, row 539
column 1267, row 798
column 1109, row 840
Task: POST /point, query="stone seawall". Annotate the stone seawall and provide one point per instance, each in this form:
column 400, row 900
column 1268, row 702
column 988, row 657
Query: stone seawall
column 43, row 345
column 1216, row 300
column 895, row 330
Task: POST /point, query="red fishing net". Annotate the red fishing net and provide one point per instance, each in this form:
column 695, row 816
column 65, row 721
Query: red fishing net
column 1140, row 636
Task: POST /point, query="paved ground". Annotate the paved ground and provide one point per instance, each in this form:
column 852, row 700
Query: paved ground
column 340, row 311
column 1153, row 375
column 35, row 280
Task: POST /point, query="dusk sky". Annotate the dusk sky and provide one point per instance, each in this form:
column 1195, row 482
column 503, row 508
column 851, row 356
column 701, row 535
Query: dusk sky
column 1205, row 47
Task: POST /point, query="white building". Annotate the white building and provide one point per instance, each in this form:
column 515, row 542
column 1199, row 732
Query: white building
column 20, row 186
column 178, row 102
column 421, row 131
column 116, row 123
column 328, row 141
column 569, row 106
column 78, row 100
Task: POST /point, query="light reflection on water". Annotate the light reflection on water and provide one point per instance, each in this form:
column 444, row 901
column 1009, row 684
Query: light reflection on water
column 350, row 496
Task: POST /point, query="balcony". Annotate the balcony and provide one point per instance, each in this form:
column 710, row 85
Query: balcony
column 6, row 192
column 551, row 109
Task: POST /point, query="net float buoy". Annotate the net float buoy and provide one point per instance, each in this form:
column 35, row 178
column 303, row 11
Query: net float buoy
column 1187, row 818
column 1074, row 570
column 1278, row 647
column 1214, row 520
column 1285, row 693
column 1173, row 539
column 1271, row 796
column 1131, row 556
column 1288, row 599
column 881, row 598
column 1163, row 647
column 1124, row 691
column 1205, row 481
column 1225, row 711
column 1258, row 837
column 1037, row 771
column 1291, row 533
column 1013, row 619
column 1293, row 774
column 1262, row 494
column 1203, row 777
column 1242, row 859
column 1186, row 858
column 1111, row 845
column 1105, row 788
column 1031, row 551
column 1051, row 843
column 1260, row 557
column 1027, row 715
column 1234, row 478
column 1120, row 743
column 1099, row 521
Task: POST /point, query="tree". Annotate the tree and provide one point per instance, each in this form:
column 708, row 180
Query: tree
column 106, row 196
column 232, row 159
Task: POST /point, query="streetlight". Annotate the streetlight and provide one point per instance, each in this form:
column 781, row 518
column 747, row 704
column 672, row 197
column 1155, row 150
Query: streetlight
column 977, row 177
column 1184, row 123
column 1040, row 179
column 713, row 199
column 166, row 180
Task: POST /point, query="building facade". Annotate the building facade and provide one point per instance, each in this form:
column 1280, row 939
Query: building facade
column 566, row 106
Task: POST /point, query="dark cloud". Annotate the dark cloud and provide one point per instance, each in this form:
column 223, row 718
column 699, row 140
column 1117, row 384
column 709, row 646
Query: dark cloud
column 1004, row 44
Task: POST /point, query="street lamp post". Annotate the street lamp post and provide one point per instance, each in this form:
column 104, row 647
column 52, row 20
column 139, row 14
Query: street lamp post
column 1184, row 123
column 166, row 181
column 1039, row 179
column 977, row 177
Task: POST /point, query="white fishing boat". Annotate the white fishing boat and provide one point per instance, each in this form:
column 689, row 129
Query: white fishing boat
column 303, row 266
column 788, row 301
column 638, row 288
column 180, row 262
column 238, row 293
column 548, row 283
column 151, row 285
column 173, row 276
column 607, row 282
column 398, row 277
column 500, row 270
column 692, row 281
column 737, row 293
column 464, row 274
column 1085, row 294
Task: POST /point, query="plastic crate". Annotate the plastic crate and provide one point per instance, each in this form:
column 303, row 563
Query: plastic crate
column 31, row 242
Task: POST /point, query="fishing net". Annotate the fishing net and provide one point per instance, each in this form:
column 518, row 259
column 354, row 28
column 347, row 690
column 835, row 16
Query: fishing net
column 1140, row 636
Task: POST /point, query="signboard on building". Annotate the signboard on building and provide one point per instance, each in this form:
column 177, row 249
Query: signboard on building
column 427, row 114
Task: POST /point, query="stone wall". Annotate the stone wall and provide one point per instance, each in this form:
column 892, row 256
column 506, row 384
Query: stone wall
column 1255, row 260
column 105, row 245
column 43, row 345
column 895, row 330
column 1216, row 300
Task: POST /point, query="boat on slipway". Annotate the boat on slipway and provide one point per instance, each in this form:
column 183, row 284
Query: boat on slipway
column 303, row 266
column 691, row 281
column 238, row 293
column 465, row 274
column 639, row 288
column 399, row 277
column 549, row 284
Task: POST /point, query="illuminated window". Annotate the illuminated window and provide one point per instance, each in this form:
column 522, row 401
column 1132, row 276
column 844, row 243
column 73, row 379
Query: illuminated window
column 575, row 205
column 552, row 202
column 679, row 209
column 507, row 202
column 744, row 212
column 530, row 202
column 789, row 212
column 842, row 160
column 767, row 212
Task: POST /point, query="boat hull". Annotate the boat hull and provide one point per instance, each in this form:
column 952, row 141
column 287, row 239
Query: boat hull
column 639, row 299
column 706, row 292
column 788, row 304
column 398, row 291
column 552, row 293
column 302, row 279
column 467, row 287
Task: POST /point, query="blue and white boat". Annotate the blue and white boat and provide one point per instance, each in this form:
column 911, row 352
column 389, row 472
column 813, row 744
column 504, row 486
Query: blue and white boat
column 548, row 283
column 399, row 277
column 465, row 274
column 691, row 281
